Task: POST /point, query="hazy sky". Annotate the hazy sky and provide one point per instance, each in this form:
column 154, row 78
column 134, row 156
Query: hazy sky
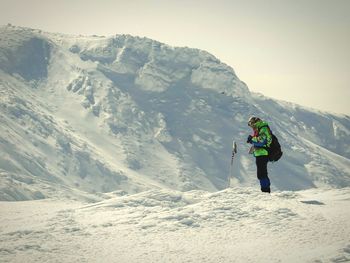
column 295, row 50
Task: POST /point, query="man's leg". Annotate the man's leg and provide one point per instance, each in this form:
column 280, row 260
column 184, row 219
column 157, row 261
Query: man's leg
column 261, row 166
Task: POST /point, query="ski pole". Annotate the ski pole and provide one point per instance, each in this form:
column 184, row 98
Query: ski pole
column 234, row 151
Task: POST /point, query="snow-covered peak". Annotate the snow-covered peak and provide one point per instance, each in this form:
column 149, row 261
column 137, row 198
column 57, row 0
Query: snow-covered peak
column 156, row 66
column 86, row 115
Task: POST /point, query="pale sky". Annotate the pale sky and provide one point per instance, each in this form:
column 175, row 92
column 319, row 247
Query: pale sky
column 294, row 50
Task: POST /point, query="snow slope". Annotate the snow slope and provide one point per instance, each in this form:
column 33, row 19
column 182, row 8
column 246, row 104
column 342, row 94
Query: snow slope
column 84, row 116
column 234, row 225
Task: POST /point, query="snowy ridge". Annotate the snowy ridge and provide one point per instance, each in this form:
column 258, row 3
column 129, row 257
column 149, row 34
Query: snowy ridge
column 85, row 116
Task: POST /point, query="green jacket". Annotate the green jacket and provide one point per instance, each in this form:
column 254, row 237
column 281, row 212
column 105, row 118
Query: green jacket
column 261, row 139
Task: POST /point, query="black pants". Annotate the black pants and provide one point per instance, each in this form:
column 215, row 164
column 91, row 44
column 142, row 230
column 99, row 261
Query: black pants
column 261, row 167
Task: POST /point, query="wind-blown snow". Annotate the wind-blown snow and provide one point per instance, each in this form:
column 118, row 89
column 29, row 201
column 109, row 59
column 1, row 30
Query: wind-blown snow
column 234, row 225
column 124, row 140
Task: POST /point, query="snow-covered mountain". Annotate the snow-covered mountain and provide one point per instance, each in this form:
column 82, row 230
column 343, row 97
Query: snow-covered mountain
column 85, row 116
column 127, row 143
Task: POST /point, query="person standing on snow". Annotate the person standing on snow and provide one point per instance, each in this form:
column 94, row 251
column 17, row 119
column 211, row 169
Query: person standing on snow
column 261, row 139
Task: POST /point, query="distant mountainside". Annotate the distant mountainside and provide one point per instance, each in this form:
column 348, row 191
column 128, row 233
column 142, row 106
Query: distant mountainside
column 90, row 116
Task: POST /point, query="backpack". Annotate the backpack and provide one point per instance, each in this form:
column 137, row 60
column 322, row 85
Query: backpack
column 274, row 150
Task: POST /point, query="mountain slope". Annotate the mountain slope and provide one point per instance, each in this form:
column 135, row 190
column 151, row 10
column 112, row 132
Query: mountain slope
column 85, row 116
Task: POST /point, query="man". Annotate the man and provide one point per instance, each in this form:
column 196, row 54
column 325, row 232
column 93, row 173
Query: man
column 261, row 139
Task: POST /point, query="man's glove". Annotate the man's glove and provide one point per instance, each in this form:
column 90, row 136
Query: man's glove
column 249, row 140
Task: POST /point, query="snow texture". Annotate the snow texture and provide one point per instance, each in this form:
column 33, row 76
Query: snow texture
column 234, row 225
